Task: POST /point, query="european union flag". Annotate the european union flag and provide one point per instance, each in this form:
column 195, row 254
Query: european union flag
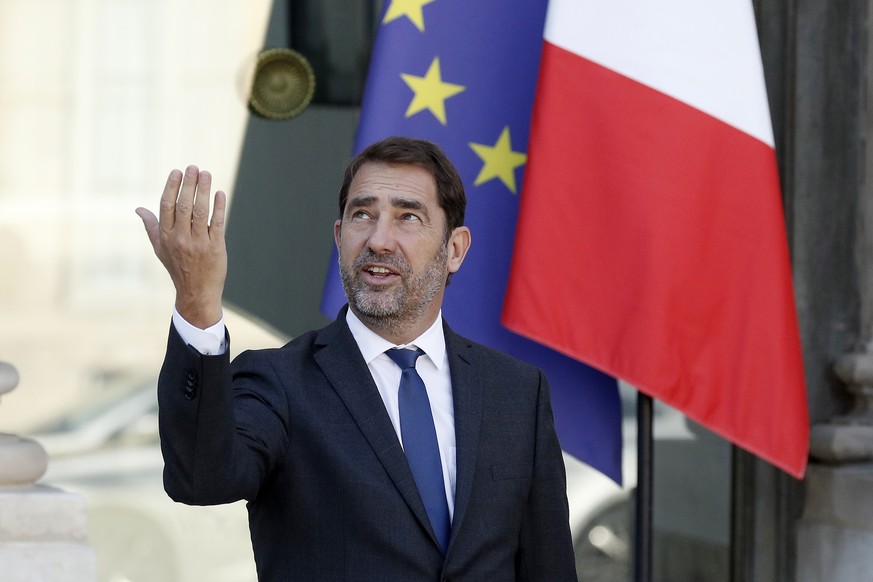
column 463, row 75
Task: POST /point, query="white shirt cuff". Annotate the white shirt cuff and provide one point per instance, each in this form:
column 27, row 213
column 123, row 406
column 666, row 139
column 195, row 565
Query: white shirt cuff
column 209, row 342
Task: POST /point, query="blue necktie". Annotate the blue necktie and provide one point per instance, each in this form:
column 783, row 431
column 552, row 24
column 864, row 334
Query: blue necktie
column 420, row 443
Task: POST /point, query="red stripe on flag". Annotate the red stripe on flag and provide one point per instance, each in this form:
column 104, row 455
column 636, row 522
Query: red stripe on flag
column 651, row 245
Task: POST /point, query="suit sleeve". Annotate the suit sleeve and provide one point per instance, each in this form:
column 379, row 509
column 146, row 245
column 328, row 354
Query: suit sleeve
column 220, row 429
column 545, row 544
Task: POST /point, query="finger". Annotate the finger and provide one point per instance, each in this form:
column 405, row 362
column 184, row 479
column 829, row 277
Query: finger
column 200, row 214
column 150, row 222
column 168, row 200
column 219, row 209
column 185, row 202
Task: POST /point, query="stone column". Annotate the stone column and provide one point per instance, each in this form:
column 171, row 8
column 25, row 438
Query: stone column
column 835, row 534
column 42, row 529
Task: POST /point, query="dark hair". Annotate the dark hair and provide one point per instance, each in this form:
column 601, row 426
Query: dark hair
column 414, row 152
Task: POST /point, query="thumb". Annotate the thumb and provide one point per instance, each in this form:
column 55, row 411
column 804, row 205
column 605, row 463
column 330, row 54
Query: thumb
column 150, row 222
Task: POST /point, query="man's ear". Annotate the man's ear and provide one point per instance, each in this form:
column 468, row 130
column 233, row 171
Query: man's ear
column 337, row 236
column 459, row 243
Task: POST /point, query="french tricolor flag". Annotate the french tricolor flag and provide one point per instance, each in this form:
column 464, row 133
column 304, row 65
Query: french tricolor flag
column 651, row 241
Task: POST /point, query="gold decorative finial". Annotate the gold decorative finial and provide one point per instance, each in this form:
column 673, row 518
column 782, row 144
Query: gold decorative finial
column 283, row 84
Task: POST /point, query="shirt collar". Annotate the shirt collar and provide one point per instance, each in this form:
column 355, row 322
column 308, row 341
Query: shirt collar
column 432, row 342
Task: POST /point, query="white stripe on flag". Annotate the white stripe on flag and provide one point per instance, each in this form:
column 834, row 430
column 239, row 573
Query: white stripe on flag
column 702, row 52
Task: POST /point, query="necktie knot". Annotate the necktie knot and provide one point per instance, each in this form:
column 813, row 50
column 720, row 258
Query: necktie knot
column 403, row 357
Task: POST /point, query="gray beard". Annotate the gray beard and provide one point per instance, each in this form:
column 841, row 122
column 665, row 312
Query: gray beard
column 396, row 310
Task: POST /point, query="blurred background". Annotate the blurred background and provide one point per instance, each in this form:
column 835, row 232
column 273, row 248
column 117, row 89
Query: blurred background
column 99, row 100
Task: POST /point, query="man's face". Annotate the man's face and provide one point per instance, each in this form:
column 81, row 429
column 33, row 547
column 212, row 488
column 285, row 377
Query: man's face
column 393, row 253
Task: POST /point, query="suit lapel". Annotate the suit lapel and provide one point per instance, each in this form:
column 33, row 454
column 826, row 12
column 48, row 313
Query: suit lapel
column 468, row 380
column 341, row 362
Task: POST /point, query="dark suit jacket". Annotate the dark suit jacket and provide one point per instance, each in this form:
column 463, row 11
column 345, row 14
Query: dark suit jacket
column 301, row 433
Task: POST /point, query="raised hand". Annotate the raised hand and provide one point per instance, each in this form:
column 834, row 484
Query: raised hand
column 190, row 245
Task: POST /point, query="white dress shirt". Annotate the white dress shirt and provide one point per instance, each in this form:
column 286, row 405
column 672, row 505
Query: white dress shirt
column 433, row 368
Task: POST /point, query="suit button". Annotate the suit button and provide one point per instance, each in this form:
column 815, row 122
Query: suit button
column 190, row 384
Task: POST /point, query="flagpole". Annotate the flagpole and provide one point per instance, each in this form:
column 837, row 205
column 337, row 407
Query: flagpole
column 643, row 510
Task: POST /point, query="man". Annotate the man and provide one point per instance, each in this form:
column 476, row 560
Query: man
column 343, row 481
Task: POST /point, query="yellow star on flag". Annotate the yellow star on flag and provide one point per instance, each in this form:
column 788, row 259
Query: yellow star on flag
column 411, row 9
column 430, row 92
column 500, row 161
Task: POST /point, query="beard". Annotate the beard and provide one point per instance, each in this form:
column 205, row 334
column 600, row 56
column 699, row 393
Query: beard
column 401, row 306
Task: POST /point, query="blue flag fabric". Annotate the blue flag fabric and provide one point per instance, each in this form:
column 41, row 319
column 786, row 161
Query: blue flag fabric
column 463, row 75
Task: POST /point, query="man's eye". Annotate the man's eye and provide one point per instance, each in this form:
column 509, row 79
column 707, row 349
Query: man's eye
column 410, row 217
column 359, row 215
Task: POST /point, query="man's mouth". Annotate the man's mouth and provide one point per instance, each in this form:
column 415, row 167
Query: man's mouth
column 377, row 274
column 378, row 271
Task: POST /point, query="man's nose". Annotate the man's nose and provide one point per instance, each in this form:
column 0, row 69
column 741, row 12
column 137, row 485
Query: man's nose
column 383, row 237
